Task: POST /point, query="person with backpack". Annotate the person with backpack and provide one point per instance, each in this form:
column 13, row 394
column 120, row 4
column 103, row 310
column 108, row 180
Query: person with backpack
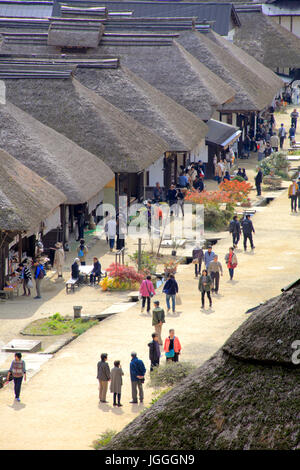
column 147, row 291
column 231, row 260
column 39, row 275
column 281, row 135
column 18, row 371
column 248, row 229
column 82, row 251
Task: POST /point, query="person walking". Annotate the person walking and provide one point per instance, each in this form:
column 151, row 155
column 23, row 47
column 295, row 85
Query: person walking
column 281, row 135
column 292, row 134
column 147, row 291
column 171, row 289
column 172, row 347
column 137, row 376
column 39, row 274
column 215, row 270
column 172, row 197
column 96, row 273
column 111, row 232
column 231, row 260
column 158, row 318
column 154, row 351
column 158, row 193
column 82, row 252
column 116, row 382
column 235, row 230
column 180, row 202
column 208, row 256
column 294, row 116
column 261, row 149
column 103, row 377
column 293, row 194
column 258, row 180
column 59, row 258
column 204, row 286
column 274, row 142
column 198, row 256
column 26, row 278
column 248, row 229
column 18, row 371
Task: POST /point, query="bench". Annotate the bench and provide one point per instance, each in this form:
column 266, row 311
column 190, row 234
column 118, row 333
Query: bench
column 71, row 284
column 133, row 296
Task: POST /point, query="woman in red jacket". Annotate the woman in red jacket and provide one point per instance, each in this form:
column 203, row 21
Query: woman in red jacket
column 172, row 347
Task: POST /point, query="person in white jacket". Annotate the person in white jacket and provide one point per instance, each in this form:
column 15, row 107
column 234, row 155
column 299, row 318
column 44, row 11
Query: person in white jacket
column 59, row 258
column 111, row 231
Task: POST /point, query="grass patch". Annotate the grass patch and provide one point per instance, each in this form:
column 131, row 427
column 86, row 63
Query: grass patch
column 104, row 439
column 58, row 325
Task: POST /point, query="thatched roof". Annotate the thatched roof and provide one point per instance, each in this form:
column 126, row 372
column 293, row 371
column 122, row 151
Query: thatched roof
column 79, row 174
column 180, row 128
column 254, row 87
column 74, row 33
column 176, row 73
column 241, row 402
column 268, row 42
column 25, row 198
column 90, row 121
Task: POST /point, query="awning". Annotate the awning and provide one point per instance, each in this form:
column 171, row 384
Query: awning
column 222, row 134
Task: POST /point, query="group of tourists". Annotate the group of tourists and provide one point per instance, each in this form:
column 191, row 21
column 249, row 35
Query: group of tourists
column 26, row 272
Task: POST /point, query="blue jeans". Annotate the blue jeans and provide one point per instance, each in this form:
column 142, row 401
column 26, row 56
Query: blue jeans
column 231, row 271
column 111, row 243
column 168, row 301
column 17, row 386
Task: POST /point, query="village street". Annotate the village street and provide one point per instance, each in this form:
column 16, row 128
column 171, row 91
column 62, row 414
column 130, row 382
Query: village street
column 59, row 406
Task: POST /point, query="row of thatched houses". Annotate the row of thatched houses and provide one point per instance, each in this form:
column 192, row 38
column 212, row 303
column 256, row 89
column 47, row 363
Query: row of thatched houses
column 99, row 105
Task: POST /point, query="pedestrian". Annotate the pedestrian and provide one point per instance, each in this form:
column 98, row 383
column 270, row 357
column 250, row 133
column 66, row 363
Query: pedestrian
column 172, row 347
column 147, row 291
column 26, row 278
column 198, row 256
column 154, row 351
column 274, row 142
column 258, row 180
column 261, row 150
column 106, row 219
column 80, row 224
column 180, row 202
column 220, row 171
column 103, row 377
column 116, row 382
column 111, row 232
column 158, row 318
column 171, row 289
column 172, row 197
column 215, row 270
column 96, row 272
column 292, row 134
column 18, row 371
column 281, row 135
column 231, row 260
column 198, row 184
column 59, row 258
column 204, row 286
column 158, row 193
column 293, row 194
column 183, row 180
column 208, row 256
column 149, row 213
column 39, row 275
column 235, row 230
column 248, row 229
column 137, row 376
column 82, row 252
column 294, row 116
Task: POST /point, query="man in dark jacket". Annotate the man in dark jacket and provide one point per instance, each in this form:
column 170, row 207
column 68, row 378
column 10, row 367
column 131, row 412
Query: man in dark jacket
column 103, row 376
column 137, row 376
column 172, row 196
column 258, row 181
column 235, row 230
column 154, row 351
column 198, row 256
column 96, row 273
column 171, row 289
column 158, row 318
column 248, row 229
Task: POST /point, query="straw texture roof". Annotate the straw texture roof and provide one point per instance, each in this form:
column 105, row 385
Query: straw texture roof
column 176, row 73
column 254, row 84
column 180, row 128
column 79, row 174
column 268, row 42
column 89, row 120
column 25, row 198
column 246, row 397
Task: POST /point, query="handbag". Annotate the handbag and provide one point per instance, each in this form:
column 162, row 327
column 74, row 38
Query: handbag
column 170, row 353
column 178, row 299
column 30, row 284
column 150, row 293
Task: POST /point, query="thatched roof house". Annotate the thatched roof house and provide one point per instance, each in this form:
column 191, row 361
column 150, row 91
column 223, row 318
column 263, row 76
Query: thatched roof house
column 255, row 87
column 180, row 128
column 175, row 72
column 79, row 174
column 75, row 33
column 268, row 42
column 26, row 199
column 90, row 121
column 245, row 397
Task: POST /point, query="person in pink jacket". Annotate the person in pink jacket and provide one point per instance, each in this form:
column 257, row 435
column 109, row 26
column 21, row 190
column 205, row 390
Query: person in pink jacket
column 147, row 291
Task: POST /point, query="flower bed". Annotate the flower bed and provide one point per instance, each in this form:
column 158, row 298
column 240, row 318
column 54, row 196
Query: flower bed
column 121, row 277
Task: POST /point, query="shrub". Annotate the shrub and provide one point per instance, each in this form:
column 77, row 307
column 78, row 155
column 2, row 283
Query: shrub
column 170, row 373
column 148, row 266
column 216, row 219
column 104, row 439
column 277, row 162
column 238, row 190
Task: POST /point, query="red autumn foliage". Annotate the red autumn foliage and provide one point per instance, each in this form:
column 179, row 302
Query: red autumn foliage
column 124, row 273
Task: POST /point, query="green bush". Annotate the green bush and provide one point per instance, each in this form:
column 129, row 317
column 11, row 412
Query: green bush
column 216, row 219
column 170, row 373
column 147, row 263
column 104, row 439
column 278, row 162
